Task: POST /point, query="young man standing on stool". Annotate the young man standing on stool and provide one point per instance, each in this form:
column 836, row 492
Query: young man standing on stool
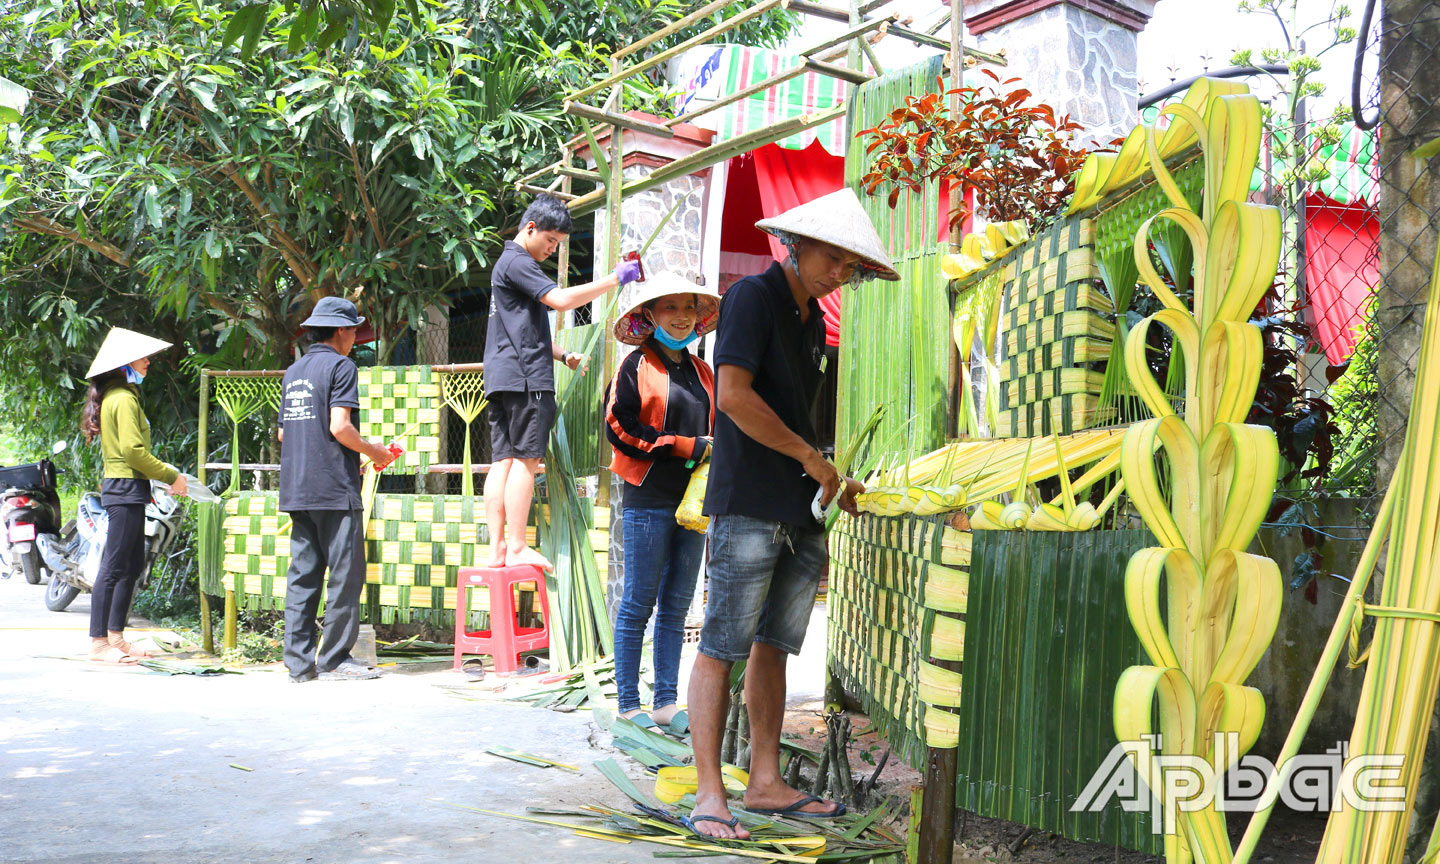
column 320, row 489
column 519, row 372
column 767, row 551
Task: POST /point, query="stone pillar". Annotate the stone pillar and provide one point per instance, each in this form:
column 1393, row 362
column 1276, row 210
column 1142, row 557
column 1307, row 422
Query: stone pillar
column 1076, row 55
column 680, row 244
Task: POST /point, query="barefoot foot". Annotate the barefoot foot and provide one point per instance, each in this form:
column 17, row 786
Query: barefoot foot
column 525, row 555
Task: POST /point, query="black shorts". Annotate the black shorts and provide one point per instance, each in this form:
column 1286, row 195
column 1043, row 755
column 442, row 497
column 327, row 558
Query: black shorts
column 520, row 424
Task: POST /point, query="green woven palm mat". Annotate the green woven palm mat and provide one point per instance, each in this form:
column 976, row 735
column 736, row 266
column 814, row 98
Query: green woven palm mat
column 402, row 399
column 241, row 399
column 879, row 568
column 1047, row 638
column 1054, row 382
column 1063, row 414
column 415, row 546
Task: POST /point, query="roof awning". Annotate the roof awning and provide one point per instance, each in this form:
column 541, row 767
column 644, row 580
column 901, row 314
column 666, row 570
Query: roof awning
column 713, row 72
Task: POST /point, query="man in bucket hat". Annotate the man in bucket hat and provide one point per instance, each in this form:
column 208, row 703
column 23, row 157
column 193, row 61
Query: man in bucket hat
column 767, row 550
column 320, row 489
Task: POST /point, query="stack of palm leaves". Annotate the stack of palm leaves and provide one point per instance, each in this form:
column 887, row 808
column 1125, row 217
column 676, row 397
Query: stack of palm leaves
column 975, row 472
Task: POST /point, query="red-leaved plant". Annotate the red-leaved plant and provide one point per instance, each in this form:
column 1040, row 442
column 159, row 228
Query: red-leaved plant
column 1020, row 159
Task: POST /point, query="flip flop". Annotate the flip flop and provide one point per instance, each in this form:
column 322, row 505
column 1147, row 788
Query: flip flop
column 794, row 809
column 115, row 657
column 689, row 822
column 679, row 725
column 643, row 720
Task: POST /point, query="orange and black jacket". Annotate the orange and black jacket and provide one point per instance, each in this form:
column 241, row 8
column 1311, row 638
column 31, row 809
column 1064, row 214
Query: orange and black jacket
column 654, row 413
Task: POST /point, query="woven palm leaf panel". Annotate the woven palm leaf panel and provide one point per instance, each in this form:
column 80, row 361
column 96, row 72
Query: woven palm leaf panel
column 1057, row 327
column 415, row 546
column 894, row 336
column 402, row 403
column 1046, row 640
column 879, row 610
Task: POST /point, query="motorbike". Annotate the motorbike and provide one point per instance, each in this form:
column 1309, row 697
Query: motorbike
column 74, row 557
column 30, row 514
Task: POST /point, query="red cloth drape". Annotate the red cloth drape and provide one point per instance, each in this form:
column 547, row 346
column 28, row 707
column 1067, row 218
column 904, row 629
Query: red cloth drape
column 1341, row 246
column 767, row 182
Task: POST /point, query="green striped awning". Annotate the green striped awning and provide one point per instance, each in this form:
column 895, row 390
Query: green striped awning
column 710, row 73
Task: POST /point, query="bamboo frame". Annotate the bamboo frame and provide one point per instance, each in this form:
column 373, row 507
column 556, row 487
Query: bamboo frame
column 618, row 75
column 864, row 27
column 671, row 29
column 578, row 173
column 830, row 13
column 715, row 153
column 540, row 190
column 634, row 124
column 844, row 73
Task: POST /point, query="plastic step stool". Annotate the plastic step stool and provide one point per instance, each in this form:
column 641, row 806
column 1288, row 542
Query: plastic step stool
column 506, row 639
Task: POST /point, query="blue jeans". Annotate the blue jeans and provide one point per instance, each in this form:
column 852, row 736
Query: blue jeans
column 662, row 562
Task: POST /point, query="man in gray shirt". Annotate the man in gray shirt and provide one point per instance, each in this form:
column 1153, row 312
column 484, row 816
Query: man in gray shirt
column 320, row 489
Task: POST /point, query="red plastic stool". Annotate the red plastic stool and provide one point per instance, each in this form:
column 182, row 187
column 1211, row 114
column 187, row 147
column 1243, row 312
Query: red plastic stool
column 505, row 640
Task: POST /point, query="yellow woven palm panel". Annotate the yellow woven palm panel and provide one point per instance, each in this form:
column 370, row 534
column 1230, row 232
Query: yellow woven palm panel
column 1062, row 414
column 1082, row 323
column 235, row 563
column 1075, row 267
column 1056, row 382
column 270, row 566
column 1053, row 355
column 1052, row 299
column 947, row 590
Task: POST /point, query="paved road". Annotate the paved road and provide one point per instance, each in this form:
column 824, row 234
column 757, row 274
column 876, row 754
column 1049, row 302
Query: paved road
column 118, row 766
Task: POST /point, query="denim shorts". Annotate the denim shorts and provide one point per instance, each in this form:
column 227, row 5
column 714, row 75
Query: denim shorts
column 763, row 579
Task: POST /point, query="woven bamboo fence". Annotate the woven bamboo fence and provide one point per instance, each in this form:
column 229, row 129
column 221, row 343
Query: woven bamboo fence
column 414, row 544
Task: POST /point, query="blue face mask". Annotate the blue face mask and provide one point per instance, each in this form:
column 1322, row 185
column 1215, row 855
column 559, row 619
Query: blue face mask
column 133, row 377
column 671, row 342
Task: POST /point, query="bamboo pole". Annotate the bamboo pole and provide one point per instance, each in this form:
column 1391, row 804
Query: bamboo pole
column 830, row 13
column 589, row 112
column 618, row 75
column 854, row 76
column 207, row 630
column 232, row 615
column 246, row 373
column 537, row 190
column 860, row 29
column 562, row 257
column 702, row 159
column 674, row 27
column 870, row 55
column 739, row 95
column 567, row 170
column 614, row 191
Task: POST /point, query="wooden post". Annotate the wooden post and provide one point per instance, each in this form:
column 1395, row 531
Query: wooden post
column 614, row 197
column 912, row 837
column 207, row 634
column 562, row 258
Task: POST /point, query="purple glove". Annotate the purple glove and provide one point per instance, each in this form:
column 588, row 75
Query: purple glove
column 627, row 272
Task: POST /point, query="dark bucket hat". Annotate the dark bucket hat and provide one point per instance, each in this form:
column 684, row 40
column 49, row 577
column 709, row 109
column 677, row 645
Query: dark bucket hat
column 334, row 312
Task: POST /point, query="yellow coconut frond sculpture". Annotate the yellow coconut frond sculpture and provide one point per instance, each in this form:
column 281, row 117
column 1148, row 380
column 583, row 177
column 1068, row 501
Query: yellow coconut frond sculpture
column 1205, row 609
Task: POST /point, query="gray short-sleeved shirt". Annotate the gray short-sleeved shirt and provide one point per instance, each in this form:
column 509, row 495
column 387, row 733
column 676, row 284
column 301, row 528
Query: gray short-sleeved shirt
column 316, row 471
column 518, row 354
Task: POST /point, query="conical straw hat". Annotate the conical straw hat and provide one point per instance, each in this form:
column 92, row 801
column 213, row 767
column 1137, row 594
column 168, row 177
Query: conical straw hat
column 633, row 328
column 837, row 219
column 123, row 347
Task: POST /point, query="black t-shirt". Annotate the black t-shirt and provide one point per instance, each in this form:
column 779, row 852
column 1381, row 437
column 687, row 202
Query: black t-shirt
column 518, row 354
column 760, row 330
column 687, row 413
column 316, row 471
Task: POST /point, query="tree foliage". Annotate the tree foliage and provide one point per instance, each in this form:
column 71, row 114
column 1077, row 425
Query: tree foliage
column 163, row 180
column 1020, row 158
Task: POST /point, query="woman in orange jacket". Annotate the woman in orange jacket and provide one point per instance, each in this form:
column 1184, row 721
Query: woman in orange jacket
column 659, row 413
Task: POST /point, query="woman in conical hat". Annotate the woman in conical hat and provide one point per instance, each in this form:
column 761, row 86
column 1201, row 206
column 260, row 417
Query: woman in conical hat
column 659, row 414
column 113, row 414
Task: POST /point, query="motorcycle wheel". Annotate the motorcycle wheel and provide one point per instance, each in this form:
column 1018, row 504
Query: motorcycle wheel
column 30, row 563
column 59, row 594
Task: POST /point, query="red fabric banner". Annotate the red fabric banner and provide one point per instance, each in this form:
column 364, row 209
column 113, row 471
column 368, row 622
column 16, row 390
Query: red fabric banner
column 1341, row 246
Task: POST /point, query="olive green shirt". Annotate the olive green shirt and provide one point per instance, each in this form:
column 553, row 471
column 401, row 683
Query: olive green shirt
column 125, row 439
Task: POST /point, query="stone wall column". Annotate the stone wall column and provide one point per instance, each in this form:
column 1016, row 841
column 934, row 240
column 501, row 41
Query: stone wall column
column 1077, row 55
